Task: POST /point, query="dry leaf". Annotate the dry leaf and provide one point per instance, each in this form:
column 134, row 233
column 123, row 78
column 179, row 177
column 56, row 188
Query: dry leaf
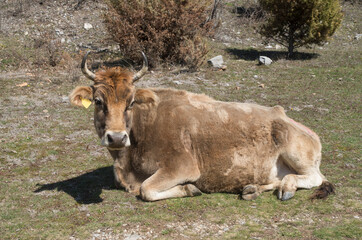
column 22, row 84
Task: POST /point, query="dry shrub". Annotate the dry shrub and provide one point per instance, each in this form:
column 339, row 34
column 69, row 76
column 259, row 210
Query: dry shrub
column 48, row 51
column 169, row 31
column 249, row 13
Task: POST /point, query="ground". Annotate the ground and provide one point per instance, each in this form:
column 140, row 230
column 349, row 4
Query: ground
column 56, row 180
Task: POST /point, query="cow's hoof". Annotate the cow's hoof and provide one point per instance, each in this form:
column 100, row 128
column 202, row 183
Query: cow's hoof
column 287, row 196
column 118, row 185
column 192, row 191
column 250, row 192
column 135, row 190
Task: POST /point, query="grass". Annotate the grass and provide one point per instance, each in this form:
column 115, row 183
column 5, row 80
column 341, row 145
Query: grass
column 56, row 181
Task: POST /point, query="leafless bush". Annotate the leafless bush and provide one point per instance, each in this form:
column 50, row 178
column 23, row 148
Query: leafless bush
column 48, row 51
column 249, row 12
column 168, row 31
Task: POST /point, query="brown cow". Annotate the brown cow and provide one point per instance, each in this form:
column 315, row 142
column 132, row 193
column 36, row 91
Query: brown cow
column 170, row 143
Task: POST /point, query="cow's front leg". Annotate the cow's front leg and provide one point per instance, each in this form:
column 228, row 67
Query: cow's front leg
column 125, row 178
column 172, row 181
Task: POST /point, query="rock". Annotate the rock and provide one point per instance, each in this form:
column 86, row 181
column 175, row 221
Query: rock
column 349, row 165
column 177, row 82
column 263, row 60
column 358, row 36
column 216, row 62
column 87, row 26
column 277, row 46
column 132, row 237
column 59, row 31
column 65, row 99
column 268, row 47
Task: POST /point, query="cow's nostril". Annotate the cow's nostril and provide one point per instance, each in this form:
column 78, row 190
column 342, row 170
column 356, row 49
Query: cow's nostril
column 109, row 138
column 124, row 139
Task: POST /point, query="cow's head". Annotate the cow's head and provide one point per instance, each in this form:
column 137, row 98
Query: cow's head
column 114, row 95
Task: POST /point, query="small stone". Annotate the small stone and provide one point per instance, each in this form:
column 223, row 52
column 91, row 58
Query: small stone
column 59, row 31
column 65, row 99
column 177, row 82
column 358, row 36
column 133, row 237
column 216, row 62
column 45, row 111
column 87, row 26
column 261, row 85
column 263, row 60
column 350, row 165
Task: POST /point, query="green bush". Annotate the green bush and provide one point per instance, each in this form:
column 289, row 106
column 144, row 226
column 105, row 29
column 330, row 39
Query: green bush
column 168, row 31
column 296, row 23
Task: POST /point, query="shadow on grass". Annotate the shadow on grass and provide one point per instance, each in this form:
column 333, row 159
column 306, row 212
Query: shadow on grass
column 253, row 54
column 86, row 188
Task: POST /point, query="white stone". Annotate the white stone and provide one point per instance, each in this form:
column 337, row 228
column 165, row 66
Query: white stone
column 265, row 60
column 132, row 237
column 59, row 31
column 87, row 26
column 216, row 61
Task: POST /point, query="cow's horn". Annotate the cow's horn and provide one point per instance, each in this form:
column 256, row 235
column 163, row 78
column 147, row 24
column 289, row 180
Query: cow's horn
column 143, row 70
column 85, row 69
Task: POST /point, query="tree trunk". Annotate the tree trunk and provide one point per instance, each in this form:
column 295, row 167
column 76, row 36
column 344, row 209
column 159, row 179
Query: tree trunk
column 291, row 42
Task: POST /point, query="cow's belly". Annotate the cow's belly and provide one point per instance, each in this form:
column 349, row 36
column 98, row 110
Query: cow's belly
column 232, row 171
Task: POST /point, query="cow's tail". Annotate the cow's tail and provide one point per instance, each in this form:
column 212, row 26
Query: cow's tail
column 323, row 191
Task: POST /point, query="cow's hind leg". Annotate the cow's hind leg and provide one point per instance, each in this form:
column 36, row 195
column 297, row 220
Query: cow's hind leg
column 252, row 191
column 305, row 175
column 292, row 182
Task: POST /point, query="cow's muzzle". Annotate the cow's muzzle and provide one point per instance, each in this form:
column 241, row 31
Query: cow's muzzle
column 115, row 140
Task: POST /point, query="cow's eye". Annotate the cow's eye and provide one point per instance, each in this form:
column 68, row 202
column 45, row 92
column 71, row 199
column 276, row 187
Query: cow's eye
column 130, row 106
column 98, row 102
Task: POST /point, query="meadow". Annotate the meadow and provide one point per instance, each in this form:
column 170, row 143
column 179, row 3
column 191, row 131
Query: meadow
column 56, row 181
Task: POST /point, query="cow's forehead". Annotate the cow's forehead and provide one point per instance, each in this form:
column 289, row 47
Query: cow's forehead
column 114, row 84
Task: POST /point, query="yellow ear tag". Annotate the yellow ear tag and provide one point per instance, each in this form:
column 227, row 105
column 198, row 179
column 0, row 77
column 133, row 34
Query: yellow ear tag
column 86, row 102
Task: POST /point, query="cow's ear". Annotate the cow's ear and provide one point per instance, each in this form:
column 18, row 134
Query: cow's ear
column 144, row 96
column 81, row 96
